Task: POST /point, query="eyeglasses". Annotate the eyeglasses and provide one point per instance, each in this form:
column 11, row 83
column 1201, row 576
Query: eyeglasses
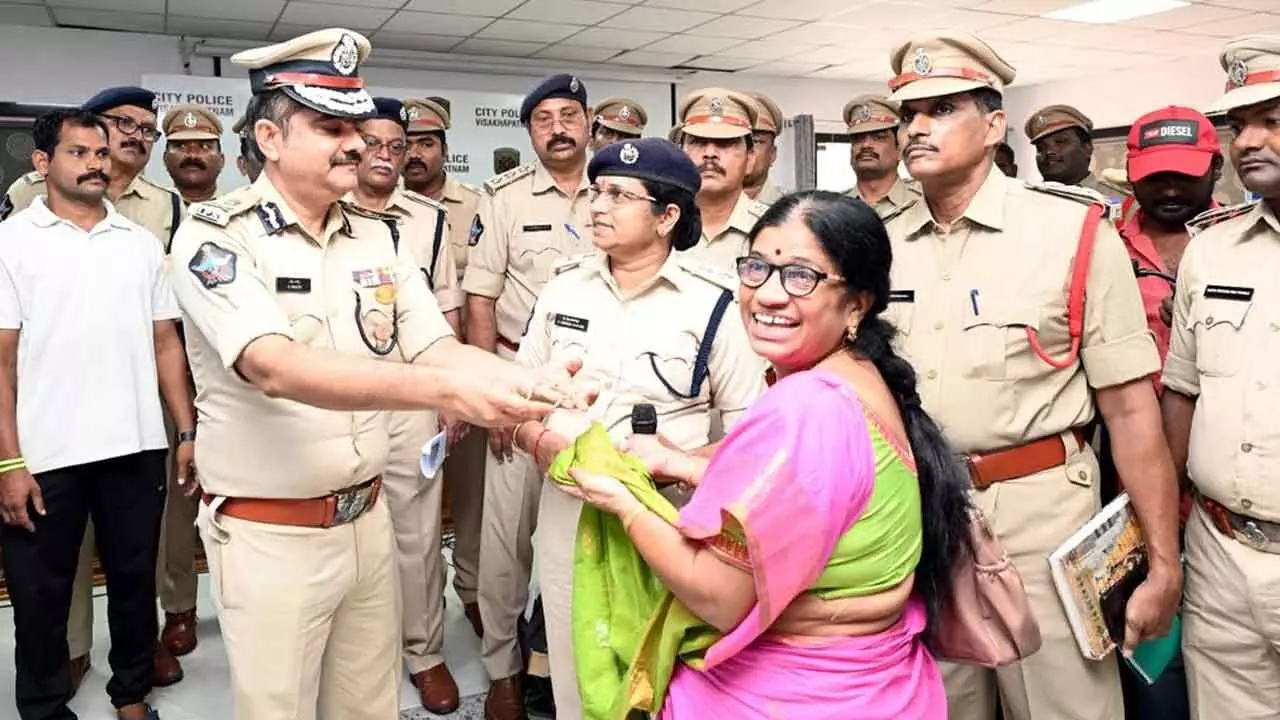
column 129, row 126
column 797, row 280
column 395, row 147
column 616, row 195
column 569, row 118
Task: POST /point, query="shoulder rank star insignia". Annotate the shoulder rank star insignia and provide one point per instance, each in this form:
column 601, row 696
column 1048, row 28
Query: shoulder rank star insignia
column 861, row 113
column 716, row 106
column 189, row 120
column 345, row 56
column 574, row 84
column 629, row 154
column 922, row 63
column 1238, row 73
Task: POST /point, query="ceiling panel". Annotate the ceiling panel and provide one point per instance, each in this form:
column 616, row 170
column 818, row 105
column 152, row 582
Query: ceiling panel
column 25, row 14
column 660, row 19
column 723, row 62
column 142, row 6
column 1025, row 7
column 408, row 41
column 526, row 31
column 577, row 12
column 651, row 59
column 768, row 49
column 618, row 39
column 717, row 6
column 1260, row 5
column 802, row 9
column 829, row 55
column 108, row 20
column 243, row 10
column 1256, row 24
column 347, row 16
column 210, row 27
column 1185, row 17
column 561, row 51
column 509, row 48
column 746, row 28
column 693, row 44
column 420, row 23
column 487, row 8
column 824, row 33
column 785, row 69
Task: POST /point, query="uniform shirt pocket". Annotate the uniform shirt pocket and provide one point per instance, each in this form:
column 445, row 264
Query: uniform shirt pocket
column 665, row 370
column 1218, row 325
column 535, row 251
column 374, row 299
column 994, row 341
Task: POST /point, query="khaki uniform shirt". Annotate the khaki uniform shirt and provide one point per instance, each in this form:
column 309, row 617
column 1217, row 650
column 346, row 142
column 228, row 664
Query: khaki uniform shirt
column 243, row 268
column 630, row 345
column 899, row 196
column 461, row 200
column 418, row 219
column 770, row 194
column 964, row 300
column 143, row 202
column 523, row 226
column 723, row 250
column 1226, row 336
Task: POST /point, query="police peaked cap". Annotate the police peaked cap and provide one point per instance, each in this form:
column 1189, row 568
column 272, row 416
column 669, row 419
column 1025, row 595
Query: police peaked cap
column 556, row 86
column 655, row 159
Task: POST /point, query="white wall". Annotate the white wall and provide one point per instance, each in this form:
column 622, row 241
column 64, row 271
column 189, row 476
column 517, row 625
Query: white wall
column 1114, row 99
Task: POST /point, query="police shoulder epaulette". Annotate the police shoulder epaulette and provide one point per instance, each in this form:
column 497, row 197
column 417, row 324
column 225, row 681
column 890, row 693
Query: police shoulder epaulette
column 565, row 264
column 424, row 200
column 219, row 211
column 715, row 275
column 497, row 182
column 1209, row 218
column 475, row 190
column 32, row 178
column 354, row 209
column 757, row 208
column 1071, row 192
column 899, row 209
column 155, row 185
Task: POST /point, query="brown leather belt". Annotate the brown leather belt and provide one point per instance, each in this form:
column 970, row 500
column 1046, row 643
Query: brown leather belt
column 1262, row 535
column 338, row 508
column 512, row 346
column 987, row 469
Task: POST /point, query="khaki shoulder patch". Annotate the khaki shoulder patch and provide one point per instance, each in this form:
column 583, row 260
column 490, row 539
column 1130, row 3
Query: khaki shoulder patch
column 1071, row 192
column 898, row 209
column 473, row 189
column 565, row 264
column 354, row 209
column 424, row 200
column 713, row 274
column 496, row 183
column 1209, row 218
column 757, row 208
column 32, row 178
column 219, row 211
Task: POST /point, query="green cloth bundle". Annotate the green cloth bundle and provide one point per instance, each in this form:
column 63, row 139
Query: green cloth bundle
column 628, row 629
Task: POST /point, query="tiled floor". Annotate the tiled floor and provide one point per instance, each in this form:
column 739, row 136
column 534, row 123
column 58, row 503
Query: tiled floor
column 203, row 694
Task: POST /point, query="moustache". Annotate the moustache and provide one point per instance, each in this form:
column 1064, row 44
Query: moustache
column 917, row 146
column 710, row 166
column 134, row 144
column 351, row 157
column 558, row 140
column 418, row 164
column 193, row 163
column 95, row 175
column 868, row 155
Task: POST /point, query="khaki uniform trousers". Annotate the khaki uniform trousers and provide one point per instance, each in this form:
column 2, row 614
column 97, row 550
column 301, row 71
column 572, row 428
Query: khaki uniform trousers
column 556, row 542
column 511, row 492
column 464, row 480
column 1231, row 626
column 414, row 504
column 1032, row 516
column 310, row 617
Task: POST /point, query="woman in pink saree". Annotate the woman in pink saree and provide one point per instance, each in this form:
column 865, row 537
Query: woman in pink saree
column 821, row 535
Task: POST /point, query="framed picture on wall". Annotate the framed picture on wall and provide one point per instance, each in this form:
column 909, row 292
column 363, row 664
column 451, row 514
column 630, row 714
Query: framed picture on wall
column 15, row 140
column 1109, row 152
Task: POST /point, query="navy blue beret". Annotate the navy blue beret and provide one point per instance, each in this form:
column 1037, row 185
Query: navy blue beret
column 119, row 97
column 556, row 86
column 391, row 109
column 654, row 159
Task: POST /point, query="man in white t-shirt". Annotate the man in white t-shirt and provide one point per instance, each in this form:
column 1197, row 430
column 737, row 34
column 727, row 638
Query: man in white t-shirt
column 87, row 333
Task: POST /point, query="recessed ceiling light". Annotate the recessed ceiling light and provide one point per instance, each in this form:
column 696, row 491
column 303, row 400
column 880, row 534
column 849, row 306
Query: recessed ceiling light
column 1113, row 11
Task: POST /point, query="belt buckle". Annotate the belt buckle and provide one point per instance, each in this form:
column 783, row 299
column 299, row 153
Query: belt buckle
column 1253, row 535
column 351, row 504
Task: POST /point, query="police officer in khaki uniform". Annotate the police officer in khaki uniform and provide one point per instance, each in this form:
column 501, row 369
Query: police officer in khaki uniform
column 616, row 119
column 651, row 325
column 979, row 294
column 193, row 151
column 764, row 136
column 1219, row 406
column 425, row 173
column 1063, row 138
column 530, row 217
column 418, row 233
column 291, row 300
column 129, row 113
column 716, row 127
column 873, row 123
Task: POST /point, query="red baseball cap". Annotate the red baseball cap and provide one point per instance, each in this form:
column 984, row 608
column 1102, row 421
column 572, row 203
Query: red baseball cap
column 1172, row 139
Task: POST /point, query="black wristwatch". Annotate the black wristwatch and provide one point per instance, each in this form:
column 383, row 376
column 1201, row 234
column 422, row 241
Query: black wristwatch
column 186, row 436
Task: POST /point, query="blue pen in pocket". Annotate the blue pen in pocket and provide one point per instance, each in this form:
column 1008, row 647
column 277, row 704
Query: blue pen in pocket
column 573, row 231
column 973, row 300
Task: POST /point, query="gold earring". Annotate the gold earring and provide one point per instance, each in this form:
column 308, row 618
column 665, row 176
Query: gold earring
column 852, row 334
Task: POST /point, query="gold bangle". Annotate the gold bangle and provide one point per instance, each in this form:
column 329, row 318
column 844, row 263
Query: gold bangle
column 515, row 432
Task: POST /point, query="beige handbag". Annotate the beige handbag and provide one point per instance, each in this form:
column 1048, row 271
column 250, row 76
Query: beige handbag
column 987, row 620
